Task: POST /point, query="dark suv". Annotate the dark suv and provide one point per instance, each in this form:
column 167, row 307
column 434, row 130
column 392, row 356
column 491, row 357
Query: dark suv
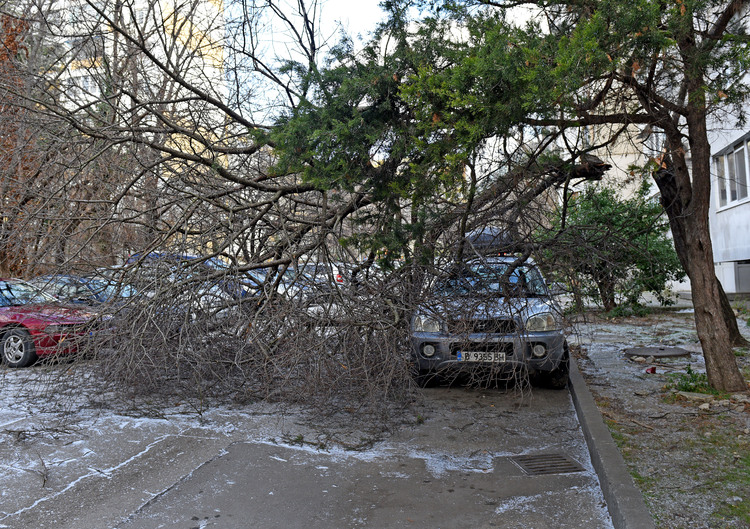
column 492, row 316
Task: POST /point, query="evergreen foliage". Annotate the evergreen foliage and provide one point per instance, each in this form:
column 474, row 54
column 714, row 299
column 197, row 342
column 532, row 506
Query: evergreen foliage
column 614, row 249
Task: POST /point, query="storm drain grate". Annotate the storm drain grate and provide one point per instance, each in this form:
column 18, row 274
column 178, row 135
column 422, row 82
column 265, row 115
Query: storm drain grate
column 542, row 464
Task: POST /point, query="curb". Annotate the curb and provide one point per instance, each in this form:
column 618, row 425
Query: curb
column 624, row 501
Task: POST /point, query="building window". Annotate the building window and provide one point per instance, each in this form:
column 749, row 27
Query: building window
column 88, row 85
column 82, row 87
column 719, row 163
column 71, row 89
column 731, row 173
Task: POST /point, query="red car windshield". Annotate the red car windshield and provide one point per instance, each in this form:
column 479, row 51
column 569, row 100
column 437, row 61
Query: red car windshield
column 19, row 293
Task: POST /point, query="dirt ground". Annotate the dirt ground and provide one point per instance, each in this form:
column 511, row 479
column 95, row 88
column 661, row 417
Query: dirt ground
column 688, row 452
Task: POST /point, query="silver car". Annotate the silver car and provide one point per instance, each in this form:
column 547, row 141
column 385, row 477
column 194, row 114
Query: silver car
column 494, row 316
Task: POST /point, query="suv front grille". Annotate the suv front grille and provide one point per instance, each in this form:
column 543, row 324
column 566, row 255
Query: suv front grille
column 492, row 326
column 484, row 347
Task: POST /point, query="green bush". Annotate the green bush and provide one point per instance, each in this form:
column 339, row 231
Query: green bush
column 624, row 311
column 612, row 249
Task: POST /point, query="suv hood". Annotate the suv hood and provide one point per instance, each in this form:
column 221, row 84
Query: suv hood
column 455, row 308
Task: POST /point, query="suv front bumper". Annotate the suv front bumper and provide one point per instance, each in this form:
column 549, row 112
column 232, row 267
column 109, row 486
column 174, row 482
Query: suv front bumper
column 434, row 352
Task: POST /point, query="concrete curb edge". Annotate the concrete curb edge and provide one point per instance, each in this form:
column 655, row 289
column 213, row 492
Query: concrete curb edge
column 624, row 501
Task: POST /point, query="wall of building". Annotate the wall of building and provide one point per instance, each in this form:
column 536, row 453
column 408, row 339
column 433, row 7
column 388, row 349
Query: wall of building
column 729, row 215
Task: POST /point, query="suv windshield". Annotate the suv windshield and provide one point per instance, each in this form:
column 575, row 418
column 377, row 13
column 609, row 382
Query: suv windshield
column 487, row 279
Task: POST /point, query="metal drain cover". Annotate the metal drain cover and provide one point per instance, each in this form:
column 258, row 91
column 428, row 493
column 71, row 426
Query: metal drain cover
column 542, row 464
column 656, row 352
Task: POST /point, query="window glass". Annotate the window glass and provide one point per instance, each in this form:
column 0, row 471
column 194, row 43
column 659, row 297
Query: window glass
column 741, row 174
column 19, row 293
column 74, row 291
column 732, row 178
column 720, row 178
column 490, row 280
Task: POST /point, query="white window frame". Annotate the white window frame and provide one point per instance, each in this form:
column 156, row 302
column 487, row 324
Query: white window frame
column 731, row 168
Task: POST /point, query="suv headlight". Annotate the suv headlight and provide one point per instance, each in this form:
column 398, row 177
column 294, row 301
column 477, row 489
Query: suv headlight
column 426, row 324
column 545, row 321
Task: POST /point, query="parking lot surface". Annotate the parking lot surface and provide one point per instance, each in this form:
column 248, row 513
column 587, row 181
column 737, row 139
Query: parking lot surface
column 455, row 462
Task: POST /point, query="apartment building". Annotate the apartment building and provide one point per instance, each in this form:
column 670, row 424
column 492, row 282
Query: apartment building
column 140, row 57
column 729, row 215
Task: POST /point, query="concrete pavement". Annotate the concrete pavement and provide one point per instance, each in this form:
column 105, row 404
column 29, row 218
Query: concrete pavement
column 451, row 465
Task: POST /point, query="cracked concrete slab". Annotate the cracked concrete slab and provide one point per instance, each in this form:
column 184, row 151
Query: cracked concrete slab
column 262, row 466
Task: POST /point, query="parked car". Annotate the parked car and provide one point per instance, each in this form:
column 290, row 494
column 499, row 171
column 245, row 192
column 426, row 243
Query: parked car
column 34, row 324
column 83, row 289
column 490, row 315
column 294, row 284
column 256, row 283
column 154, row 270
column 332, row 274
column 175, row 260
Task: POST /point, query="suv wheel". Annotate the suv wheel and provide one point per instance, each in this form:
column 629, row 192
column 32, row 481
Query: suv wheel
column 558, row 378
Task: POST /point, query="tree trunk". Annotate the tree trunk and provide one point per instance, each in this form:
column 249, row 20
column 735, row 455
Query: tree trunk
column 721, row 364
column 686, row 202
column 605, row 285
column 734, row 331
column 607, row 294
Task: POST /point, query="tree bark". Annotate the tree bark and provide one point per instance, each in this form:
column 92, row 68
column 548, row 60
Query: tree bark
column 686, row 202
column 734, row 331
column 713, row 331
column 607, row 294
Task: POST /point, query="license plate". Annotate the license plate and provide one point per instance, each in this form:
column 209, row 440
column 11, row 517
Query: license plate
column 480, row 356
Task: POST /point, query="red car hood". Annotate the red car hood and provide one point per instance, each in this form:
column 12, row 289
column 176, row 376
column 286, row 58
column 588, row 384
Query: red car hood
column 43, row 313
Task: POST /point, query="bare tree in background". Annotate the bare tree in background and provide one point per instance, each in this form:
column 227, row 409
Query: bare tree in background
column 257, row 193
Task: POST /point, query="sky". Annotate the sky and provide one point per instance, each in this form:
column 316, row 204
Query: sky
column 357, row 16
column 361, row 16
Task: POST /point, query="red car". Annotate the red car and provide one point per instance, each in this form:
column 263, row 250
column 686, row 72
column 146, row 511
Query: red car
column 34, row 324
